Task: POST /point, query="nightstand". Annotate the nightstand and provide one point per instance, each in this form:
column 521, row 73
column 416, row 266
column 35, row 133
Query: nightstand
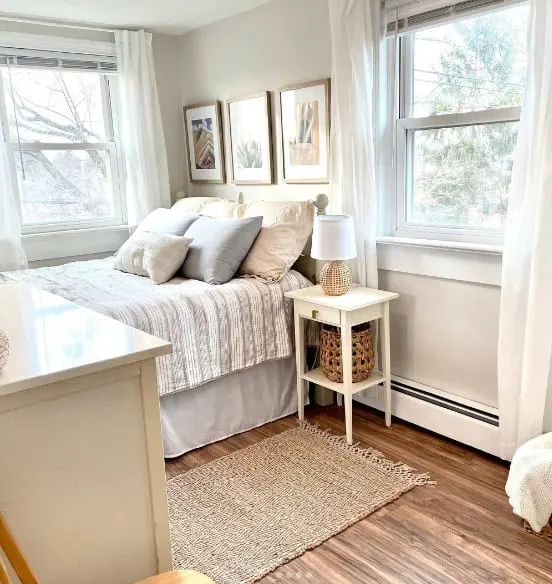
column 359, row 305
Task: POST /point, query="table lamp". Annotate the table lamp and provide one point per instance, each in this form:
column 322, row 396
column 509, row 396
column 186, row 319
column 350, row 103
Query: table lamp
column 333, row 239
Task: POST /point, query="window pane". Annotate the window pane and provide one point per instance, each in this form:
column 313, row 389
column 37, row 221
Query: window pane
column 461, row 176
column 54, row 106
column 64, row 185
column 470, row 65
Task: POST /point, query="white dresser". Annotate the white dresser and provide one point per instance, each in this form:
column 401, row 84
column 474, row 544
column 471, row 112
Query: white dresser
column 82, row 482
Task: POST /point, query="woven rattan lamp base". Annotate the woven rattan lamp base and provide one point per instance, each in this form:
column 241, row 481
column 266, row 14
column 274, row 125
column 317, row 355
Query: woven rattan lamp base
column 335, row 278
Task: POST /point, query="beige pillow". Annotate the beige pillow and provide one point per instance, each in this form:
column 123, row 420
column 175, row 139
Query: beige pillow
column 193, row 204
column 155, row 255
column 285, row 232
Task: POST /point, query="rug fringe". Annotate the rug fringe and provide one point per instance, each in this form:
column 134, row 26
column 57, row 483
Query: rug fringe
column 370, row 454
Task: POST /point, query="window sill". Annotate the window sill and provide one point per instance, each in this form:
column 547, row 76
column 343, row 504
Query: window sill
column 441, row 244
column 74, row 242
column 447, row 260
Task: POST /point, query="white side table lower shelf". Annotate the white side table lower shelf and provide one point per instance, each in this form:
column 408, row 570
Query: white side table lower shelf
column 317, row 376
column 358, row 306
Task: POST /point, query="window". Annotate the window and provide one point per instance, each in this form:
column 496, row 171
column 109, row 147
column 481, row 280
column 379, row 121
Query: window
column 58, row 125
column 460, row 91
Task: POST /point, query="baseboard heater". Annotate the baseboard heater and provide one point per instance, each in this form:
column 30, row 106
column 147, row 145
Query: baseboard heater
column 445, row 403
column 459, row 419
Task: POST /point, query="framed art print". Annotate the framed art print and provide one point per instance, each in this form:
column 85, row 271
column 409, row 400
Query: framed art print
column 305, row 131
column 203, row 125
column 251, row 139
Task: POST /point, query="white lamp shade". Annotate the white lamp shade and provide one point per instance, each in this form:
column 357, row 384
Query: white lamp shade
column 333, row 238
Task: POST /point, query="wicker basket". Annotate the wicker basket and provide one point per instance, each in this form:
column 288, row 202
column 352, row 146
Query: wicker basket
column 363, row 352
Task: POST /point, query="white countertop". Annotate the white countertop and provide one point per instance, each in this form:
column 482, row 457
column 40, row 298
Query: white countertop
column 52, row 339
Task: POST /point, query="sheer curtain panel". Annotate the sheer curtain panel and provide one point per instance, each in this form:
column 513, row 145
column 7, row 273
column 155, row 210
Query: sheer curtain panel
column 356, row 31
column 12, row 256
column 525, row 334
column 142, row 141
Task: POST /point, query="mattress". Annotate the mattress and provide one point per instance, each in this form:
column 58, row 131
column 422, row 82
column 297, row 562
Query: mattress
column 214, row 330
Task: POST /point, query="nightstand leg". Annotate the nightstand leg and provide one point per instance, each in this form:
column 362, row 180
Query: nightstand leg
column 347, row 358
column 349, row 418
column 386, row 365
column 300, row 364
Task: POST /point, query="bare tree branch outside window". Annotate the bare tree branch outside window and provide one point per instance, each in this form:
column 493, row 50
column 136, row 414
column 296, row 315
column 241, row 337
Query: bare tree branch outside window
column 58, row 108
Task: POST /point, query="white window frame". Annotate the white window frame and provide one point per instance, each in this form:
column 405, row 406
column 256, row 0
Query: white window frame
column 405, row 126
column 108, row 88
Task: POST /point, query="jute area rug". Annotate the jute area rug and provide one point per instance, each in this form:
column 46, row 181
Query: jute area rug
column 243, row 515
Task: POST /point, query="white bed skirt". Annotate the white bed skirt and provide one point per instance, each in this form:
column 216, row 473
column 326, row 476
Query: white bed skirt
column 227, row 406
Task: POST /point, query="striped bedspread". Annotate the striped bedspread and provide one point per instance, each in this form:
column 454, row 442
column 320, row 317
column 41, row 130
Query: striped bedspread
column 215, row 330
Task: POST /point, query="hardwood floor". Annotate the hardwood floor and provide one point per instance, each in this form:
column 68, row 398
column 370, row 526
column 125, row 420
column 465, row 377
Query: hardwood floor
column 460, row 530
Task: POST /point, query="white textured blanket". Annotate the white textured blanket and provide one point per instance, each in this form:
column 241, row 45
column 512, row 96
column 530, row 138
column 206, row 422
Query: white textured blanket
column 214, row 330
column 529, row 485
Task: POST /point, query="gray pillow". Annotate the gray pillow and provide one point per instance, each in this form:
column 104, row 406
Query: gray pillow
column 167, row 222
column 219, row 247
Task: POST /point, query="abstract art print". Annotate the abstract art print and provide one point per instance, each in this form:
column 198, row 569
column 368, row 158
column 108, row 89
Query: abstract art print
column 304, row 146
column 204, row 145
column 251, row 139
column 204, row 142
column 305, row 130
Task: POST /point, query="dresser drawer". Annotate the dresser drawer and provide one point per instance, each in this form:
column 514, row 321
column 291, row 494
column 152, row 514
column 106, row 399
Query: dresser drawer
column 316, row 312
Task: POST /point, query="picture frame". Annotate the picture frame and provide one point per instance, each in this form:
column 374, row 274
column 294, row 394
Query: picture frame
column 205, row 143
column 250, row 129
column 305, row 118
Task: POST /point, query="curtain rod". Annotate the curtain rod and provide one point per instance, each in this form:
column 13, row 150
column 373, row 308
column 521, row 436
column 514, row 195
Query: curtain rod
column 40, row 22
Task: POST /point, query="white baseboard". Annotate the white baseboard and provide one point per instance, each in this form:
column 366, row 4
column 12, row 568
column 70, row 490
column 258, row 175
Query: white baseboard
column 459, row 427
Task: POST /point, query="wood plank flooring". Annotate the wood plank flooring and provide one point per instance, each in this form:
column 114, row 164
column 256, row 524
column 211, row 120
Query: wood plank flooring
column 460, row 531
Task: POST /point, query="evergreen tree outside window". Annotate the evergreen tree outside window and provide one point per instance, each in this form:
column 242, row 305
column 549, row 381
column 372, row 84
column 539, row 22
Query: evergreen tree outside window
column 461, row 89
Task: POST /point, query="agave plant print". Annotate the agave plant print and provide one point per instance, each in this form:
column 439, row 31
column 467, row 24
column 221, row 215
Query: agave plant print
column 204, row 141
column 251, row 139
column 249, row 153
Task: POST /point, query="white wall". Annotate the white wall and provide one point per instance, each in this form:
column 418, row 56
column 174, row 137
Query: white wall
column 444, row 334
column 444, row 329
column 166, row 53
column 280, row 43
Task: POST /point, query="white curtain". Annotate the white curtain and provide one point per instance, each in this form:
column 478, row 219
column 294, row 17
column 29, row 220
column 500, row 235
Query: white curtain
column 525, row 337
column 142, row 140
column 356, row 31
column 12, row 256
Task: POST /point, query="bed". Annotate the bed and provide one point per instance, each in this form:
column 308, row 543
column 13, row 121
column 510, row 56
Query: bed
column 232, row 366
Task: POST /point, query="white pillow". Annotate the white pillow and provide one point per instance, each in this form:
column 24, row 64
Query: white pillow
column 223, row 209
column 285, row 232
column 155, row 255
column 211, row 206
column 167, row 221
